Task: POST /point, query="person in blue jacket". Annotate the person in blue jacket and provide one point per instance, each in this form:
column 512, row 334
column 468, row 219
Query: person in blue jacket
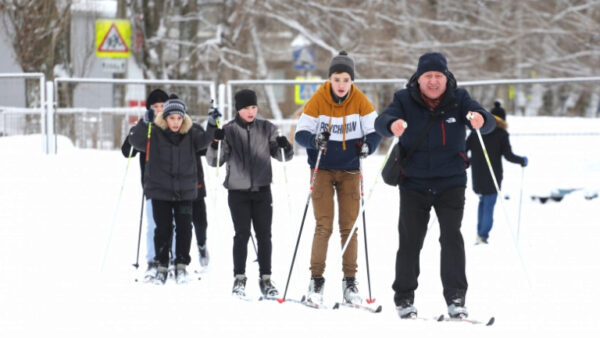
column 433, row 176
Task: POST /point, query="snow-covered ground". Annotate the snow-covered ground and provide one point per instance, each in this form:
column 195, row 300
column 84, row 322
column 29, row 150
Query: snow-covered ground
column 66, row 267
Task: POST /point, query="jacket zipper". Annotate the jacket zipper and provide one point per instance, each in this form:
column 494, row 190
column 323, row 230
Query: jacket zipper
column 250, row 157
column 443, row 134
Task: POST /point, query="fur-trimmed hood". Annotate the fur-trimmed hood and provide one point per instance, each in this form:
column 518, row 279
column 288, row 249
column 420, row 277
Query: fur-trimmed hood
column 185, row 126
column 500, row 123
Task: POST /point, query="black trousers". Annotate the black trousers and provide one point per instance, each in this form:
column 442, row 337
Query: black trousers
column 415, row 207
column 164, row 212
column 251, row 208
column 199, row 220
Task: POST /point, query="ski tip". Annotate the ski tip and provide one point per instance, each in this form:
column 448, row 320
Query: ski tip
column 303, row 299
column 336, row 306
column 491, row 321
column 440, row 318
column 371, row 301
column 378, row 309
column 280, row 300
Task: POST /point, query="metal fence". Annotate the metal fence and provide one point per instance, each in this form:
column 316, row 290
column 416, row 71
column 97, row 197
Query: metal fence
column 97, row 113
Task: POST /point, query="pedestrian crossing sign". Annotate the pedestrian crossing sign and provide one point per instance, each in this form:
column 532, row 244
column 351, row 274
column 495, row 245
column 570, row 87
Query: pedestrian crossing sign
column 113, row 38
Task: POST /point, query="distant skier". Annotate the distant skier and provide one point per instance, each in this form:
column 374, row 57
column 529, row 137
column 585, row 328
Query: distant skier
column 497, row 144
column 247, row 145
column 154, row 106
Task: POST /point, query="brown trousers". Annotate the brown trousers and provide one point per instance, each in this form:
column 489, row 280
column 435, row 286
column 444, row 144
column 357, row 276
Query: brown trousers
column 347, row 186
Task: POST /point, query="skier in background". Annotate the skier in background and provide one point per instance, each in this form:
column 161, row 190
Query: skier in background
column 154, row 106
column 497, row 144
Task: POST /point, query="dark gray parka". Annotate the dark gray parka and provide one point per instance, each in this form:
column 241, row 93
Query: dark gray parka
column 247, row 149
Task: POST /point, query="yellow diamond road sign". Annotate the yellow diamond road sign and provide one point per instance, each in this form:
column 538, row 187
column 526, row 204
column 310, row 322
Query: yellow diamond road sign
column 113, row 38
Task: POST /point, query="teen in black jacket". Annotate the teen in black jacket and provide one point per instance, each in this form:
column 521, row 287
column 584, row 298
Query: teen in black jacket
column 171, row 179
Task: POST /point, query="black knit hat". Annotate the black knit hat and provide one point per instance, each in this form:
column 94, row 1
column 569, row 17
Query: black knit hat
column 498, row 110
column 157, row 95
column 245, row 98
column 432, row 61
column 342, row 63
column 174, row 106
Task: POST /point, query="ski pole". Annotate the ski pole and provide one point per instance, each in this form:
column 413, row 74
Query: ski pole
column 254, row 245
column 114, row 218
column 312, row 182
column 489, row 163
column 520, row 203
column 137, row 257
column 218, row 122
column 363, row 206
column 285, row 178
column 364, row 218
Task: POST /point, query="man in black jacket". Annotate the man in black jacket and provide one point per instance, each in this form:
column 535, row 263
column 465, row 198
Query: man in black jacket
column 497, row 145
column 434, row 176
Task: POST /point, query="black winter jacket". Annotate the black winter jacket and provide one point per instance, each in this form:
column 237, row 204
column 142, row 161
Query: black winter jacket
column 171, row 171
column 497, row 145
column 439, row 162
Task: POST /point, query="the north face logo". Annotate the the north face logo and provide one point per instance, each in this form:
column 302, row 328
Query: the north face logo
column 451, row 120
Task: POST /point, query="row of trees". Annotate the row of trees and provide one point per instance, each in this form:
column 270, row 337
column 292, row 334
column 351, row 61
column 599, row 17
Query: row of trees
column 233, row 39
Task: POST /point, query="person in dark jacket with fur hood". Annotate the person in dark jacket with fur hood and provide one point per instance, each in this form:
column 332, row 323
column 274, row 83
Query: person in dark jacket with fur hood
column 497, row 145
column 171, row 179
column 434, row 176
column 247, row 145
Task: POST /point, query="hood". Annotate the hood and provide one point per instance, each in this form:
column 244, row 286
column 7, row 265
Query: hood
column 500, row 123
column 185, row 126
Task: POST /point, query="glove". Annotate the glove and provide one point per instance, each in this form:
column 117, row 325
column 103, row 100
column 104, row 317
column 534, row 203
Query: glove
column 282, row 142
column 321, row 139
column 213, row 116
column 218, row 136
column 149, row 115
column 525, row 161
column 362, row 149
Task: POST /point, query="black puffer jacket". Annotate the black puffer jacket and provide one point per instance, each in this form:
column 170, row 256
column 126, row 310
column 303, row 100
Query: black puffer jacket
column 439, row 162
column 497, row 145
column 171, row 171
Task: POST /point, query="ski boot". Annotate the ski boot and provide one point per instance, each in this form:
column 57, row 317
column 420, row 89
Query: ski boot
column 350, row 291
column 406, row 309
column 239, row 286
column 204, row 257
column 181, row 275
column 457, row 308
column 267, row 288
column 161, row 275
column 150, row 273
column 315, row 290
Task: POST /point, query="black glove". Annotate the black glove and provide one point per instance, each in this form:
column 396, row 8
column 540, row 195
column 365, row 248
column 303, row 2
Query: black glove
column 149, row 115
column 321, row 139
column 525, row 161
column 362, row 149
column 218, row 136
column 282, row 142
column 213, row 116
